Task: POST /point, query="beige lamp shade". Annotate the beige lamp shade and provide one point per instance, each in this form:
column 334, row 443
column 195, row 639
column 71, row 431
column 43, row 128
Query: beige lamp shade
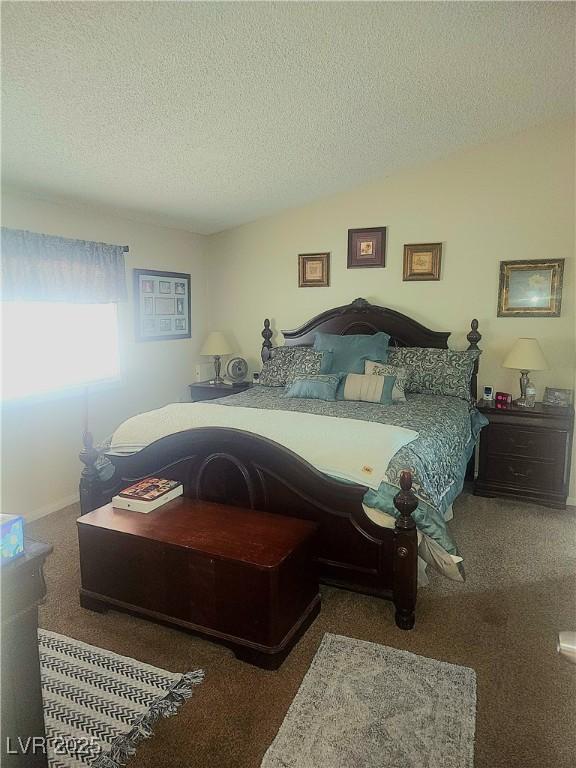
column 216, row 344
column 526, row 355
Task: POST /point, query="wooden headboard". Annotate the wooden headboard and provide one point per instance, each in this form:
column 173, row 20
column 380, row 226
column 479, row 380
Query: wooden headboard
column 361, row 317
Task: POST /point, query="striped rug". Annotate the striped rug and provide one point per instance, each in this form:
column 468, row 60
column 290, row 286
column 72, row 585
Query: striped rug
column 98, row 706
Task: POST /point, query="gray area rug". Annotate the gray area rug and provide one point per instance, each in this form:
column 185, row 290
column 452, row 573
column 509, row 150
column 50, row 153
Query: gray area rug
column 363, row 705
column 98, row 706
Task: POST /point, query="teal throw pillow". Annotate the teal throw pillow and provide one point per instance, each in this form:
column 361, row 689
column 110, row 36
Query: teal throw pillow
column 350, row 353
column 320, row 387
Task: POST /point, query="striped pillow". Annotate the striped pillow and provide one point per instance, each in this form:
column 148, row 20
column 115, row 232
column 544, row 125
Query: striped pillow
column 369, row 389
column 383, row 369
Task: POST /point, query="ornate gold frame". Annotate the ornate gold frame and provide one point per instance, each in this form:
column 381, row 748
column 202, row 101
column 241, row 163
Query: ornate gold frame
column 324, row 280
column 556, row 266
column 436, row 259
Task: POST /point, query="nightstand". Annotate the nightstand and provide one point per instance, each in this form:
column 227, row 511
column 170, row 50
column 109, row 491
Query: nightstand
column 525, row 453
column 205, row 390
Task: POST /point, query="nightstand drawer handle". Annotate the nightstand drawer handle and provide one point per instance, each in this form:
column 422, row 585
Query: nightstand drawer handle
column 525, row 447
column 518, row 474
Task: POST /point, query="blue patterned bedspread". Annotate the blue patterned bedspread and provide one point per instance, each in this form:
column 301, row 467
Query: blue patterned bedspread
column 447, row 429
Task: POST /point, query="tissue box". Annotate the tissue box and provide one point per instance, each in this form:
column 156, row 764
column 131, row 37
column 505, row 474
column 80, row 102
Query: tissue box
column 11, row 537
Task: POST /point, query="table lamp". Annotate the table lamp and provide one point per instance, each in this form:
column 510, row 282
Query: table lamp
column 525, row 356
column 215, row 346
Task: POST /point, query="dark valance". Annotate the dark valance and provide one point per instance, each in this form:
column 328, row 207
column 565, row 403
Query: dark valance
column 39, row 267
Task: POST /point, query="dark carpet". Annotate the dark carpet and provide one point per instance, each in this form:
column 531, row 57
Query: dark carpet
column 520, row 592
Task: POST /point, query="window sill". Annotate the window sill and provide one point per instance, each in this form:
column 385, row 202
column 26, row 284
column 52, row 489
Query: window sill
column 65, row 393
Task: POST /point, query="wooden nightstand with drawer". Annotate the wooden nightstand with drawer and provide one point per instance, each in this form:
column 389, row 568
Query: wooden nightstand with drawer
column 525, row 453
column 207, row 390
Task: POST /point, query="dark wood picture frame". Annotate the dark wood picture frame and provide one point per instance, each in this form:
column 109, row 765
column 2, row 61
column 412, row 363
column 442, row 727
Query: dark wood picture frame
column 140, row 298
column 422, row 261
column 371, row 240
column 507, row 271
column 304, row 260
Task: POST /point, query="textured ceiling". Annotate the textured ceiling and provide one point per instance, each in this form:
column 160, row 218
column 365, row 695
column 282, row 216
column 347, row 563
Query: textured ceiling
column 207, row 115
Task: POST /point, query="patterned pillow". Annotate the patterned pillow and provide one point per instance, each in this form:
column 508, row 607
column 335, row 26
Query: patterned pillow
column 275, row 371
column 436, row 371
column 305, row 362
column 383, row 369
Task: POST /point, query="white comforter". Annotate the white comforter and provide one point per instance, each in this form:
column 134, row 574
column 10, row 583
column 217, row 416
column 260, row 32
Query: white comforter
column 349, row 449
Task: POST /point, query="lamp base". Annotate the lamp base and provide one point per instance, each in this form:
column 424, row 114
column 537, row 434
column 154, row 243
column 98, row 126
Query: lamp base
column 522, row 401
column 217, row 378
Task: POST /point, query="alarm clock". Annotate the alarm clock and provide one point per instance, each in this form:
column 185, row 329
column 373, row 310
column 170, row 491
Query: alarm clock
column 236, row 369
column 489, row 393
column 503, row 400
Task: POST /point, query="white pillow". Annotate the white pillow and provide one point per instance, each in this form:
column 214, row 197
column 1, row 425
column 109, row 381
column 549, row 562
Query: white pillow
column 428, row 549
column 383, row 369
column 438, row 558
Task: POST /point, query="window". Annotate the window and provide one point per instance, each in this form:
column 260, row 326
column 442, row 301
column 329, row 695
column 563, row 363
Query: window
column 50, row 347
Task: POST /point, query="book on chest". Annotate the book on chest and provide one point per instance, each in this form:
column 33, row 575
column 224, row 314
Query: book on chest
column 148, row 494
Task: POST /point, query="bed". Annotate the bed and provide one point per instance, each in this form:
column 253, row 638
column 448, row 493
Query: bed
column 355, row 549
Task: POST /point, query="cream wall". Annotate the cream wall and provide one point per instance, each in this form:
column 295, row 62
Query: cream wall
column 41, row 440
column 508, row 200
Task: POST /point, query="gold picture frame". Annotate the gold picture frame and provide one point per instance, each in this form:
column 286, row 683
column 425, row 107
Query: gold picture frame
column 422, row 261
column 313, row 270
column 530, row 288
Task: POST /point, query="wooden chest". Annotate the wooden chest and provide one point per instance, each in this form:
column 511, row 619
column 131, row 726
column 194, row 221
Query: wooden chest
column 240, row 577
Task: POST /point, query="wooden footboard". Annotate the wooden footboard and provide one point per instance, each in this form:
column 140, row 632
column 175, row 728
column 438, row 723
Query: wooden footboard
column 235, row 467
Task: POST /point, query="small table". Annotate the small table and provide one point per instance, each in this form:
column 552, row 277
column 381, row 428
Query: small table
column 525, row 453
column 23, row 589
column 206, row 390
column 242, row 578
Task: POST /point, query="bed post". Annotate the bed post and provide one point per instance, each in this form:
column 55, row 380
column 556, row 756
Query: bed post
column 405, row 562
column 474, row 337
column 266, row 344
column 90, row 483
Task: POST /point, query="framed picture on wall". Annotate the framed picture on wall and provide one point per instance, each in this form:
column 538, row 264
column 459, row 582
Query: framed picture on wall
column 313, row 270
column 422, row 262
column 158, row 298
column 367, row 247
column 530, row 288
